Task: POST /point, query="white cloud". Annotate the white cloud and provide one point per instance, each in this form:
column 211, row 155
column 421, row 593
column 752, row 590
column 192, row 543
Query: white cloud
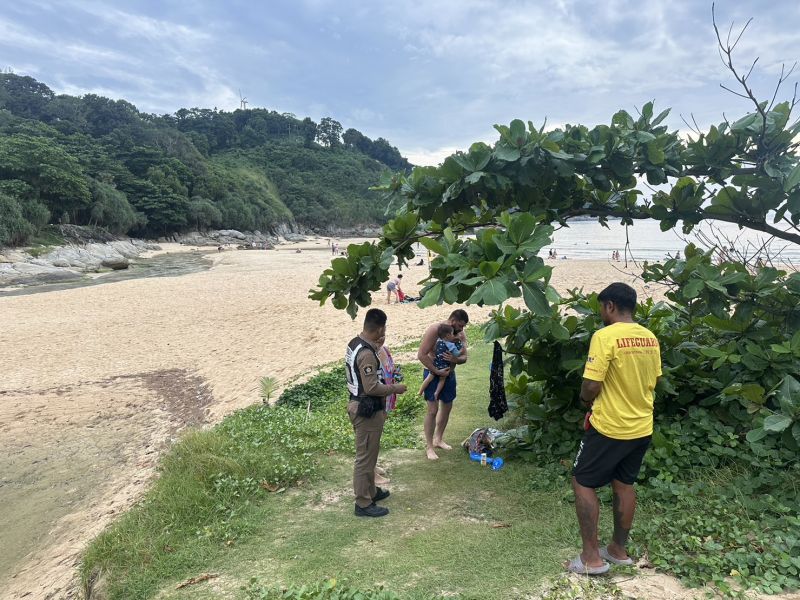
column 552, row 46
column 424, row 157
column 425, row 75
column 127, row 24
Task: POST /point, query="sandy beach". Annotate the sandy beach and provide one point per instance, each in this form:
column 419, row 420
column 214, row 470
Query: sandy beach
column 98, row 380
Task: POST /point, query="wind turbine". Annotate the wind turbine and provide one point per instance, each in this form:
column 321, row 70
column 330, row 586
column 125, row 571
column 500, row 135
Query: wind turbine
column 242, row 101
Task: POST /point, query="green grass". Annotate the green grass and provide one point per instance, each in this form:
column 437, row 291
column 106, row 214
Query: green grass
column 455, row 528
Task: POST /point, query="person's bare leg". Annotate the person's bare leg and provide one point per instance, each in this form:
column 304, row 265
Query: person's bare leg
column 389, row 297
column 441, row 424
column 624, row 504
column 426, row 383
column 439, row 387
column 380, row 479
column 429, row 425
column 587, row 509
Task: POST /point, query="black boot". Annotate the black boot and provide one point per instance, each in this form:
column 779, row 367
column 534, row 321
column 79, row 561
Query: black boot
column 380, row 494
column 373, row 510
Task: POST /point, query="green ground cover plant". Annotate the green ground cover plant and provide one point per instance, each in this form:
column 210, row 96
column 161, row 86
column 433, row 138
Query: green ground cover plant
column 456, row 529
column 212, row 482
column 720, row 480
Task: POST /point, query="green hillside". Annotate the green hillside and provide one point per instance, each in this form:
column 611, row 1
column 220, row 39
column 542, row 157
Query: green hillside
column 91, row 160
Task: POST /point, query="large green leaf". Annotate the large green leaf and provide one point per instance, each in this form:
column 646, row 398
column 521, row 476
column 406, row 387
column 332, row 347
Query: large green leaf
column 519, row 134
column 522, row 225
column 493, row 291
column 756, row 435
column 433, row 245
column 692, row 288
column 507, row 153
column 535, row 299
column 751, row 392
column 535, row 269
column 712, row 352
column 655, row 154
column 344, row 266
column 724, row 324
column 432, row 296
column 777, row 423
column 788, row 395
column 489, row 269
column 793, row 180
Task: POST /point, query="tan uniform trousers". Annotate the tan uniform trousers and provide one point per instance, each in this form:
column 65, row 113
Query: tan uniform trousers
column 368, row 442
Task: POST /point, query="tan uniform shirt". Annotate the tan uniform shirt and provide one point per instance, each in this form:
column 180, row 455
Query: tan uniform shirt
column 368, row 366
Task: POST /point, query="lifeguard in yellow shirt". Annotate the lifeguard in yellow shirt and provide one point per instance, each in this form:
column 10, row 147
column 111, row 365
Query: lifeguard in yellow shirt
column 621, row 371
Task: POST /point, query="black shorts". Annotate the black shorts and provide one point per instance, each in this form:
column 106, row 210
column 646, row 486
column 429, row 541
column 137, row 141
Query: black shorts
column 601, row 459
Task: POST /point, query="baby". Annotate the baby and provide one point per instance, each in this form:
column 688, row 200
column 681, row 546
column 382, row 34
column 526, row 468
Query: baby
column 447, row 342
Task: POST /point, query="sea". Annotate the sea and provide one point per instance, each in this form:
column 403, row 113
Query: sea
column 644, row 240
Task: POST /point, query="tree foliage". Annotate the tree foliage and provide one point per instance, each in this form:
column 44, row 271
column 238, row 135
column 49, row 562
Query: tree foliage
column 329, row 132
column 747, row 173
column 728, row 333
column 94, row 160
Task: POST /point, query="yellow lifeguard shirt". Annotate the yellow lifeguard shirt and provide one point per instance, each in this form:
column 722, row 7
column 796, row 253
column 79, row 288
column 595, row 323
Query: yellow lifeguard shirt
column 627, row 359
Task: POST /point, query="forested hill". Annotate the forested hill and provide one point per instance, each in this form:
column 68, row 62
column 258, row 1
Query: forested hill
column 91, row 160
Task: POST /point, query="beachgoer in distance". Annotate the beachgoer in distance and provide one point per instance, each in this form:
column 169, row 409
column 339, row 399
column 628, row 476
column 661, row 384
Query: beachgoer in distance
column 367, row 410
column 447, row 342
column 438, row 412
column 621, row 370
column 391, row 289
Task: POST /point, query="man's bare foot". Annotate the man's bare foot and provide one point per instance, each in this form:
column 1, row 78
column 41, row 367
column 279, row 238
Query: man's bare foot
column 442, row 445
column 381, row 480
column 431, row 454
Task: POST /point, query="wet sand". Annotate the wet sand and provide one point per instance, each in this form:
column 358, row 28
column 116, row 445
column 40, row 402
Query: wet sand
column 97, row 381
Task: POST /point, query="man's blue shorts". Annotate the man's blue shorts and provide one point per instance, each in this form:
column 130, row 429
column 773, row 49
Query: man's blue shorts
column 448, row 391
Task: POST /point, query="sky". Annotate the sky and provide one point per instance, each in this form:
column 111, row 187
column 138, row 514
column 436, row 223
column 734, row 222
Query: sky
column 431, row 76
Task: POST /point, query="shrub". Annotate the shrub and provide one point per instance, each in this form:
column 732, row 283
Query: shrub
column 721, row 474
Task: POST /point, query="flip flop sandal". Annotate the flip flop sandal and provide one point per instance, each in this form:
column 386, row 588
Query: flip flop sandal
column 576, row 566
column 606, row 555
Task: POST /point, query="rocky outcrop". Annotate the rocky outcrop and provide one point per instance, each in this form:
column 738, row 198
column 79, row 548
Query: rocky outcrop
column 227, row 237
column 67, row 263
column 94, row 257
column 358, row 231
column 240, row 239
column 288, row 232
column 23, row 273
column 116, row 264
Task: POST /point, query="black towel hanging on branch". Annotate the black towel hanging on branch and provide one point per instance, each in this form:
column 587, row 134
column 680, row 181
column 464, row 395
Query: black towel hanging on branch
column 497, row 390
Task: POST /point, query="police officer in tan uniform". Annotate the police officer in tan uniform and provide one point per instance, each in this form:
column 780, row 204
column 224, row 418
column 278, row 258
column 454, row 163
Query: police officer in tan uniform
column 367, row 410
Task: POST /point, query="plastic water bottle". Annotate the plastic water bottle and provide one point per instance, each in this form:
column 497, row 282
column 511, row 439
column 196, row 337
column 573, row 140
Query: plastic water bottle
column 495, row 463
